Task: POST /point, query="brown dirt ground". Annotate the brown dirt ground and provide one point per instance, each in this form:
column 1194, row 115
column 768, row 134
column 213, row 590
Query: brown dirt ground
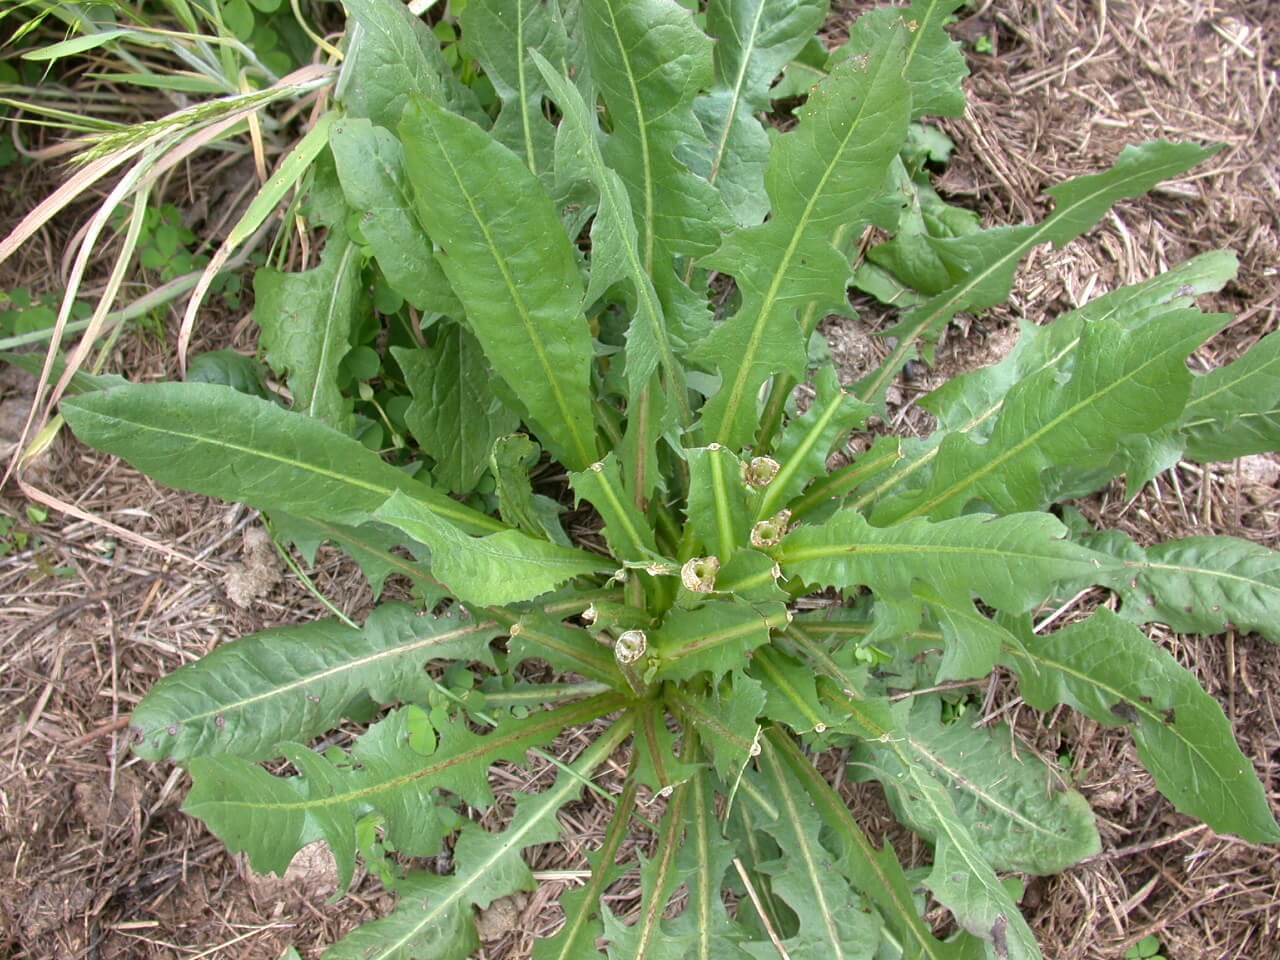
column 97, row 860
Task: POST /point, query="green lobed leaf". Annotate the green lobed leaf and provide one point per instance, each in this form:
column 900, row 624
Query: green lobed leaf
column 1012, row 563
column 649, row 60
column 832, row 924
column 707, row 856
column 370, row 164
column 215, row 441
column 615, row 251
column 1233, row 411
column 1109, row 671
column 272, row 818
column 970, row 403
column 822, row 177
column 434, row 920
column 501, row 568
column 716, row 637
column 306, row 320
column 1203, row 585
column 567, row 649
column 876, row 873
column 984, row 263
column 646, row 939
column 754, row 41
column 292, row 683
column 1020, row 815
column 454, row 415
column 392, row 56
column 961, row 879
column 726, row 719
column 503, row 36
column 717, row 508
column 1122, row 382
column 791, row 692
column 935, row 63
column 809, row 439
column 512, row 266
column 626, row 529
column 656, row 764
column 370, row 545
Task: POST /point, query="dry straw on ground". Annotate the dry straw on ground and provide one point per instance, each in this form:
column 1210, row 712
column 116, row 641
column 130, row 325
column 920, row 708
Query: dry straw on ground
column 97, row 860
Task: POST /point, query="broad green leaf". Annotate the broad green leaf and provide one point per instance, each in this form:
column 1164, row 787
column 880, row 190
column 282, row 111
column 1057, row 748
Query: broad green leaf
column 271, row 818
column 717, row 508
column 306, row 320
column 576, row 940
column 650, row 59
column 1012, row 563
column 501, row 568
column 568, row 649
column 503, row 36
column 876, row 873
column 454, row 415
column 625, row 528
column 292, row 683
column 228, row 368
column 512, row 266
column 392, row 56
column 1122, row 382
column 809, row 439
column 1019, row 814
column 791, row 692
column 1109, row 671
column 215, row 441
column 985, row 263
column 615, row 250
column 433, row 920
column 935, row 63
column 832, row 923
column 716, row 637
column 969, row 403
column 754, row 41
column 1201, row 585
column 822, row 177
column 370, row 163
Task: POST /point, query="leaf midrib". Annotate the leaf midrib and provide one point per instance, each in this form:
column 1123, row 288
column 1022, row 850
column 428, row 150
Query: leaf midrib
column 1030, row 440
column 347, row 665
column 551, row 801
column 642, row 129
column 736, row 97
column 462, row 516
column 531, row 329
column 745, row 366
column 952, row 304
column 554, row 719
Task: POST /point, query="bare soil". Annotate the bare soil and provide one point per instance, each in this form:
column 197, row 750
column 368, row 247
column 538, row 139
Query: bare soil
column 96, row 859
